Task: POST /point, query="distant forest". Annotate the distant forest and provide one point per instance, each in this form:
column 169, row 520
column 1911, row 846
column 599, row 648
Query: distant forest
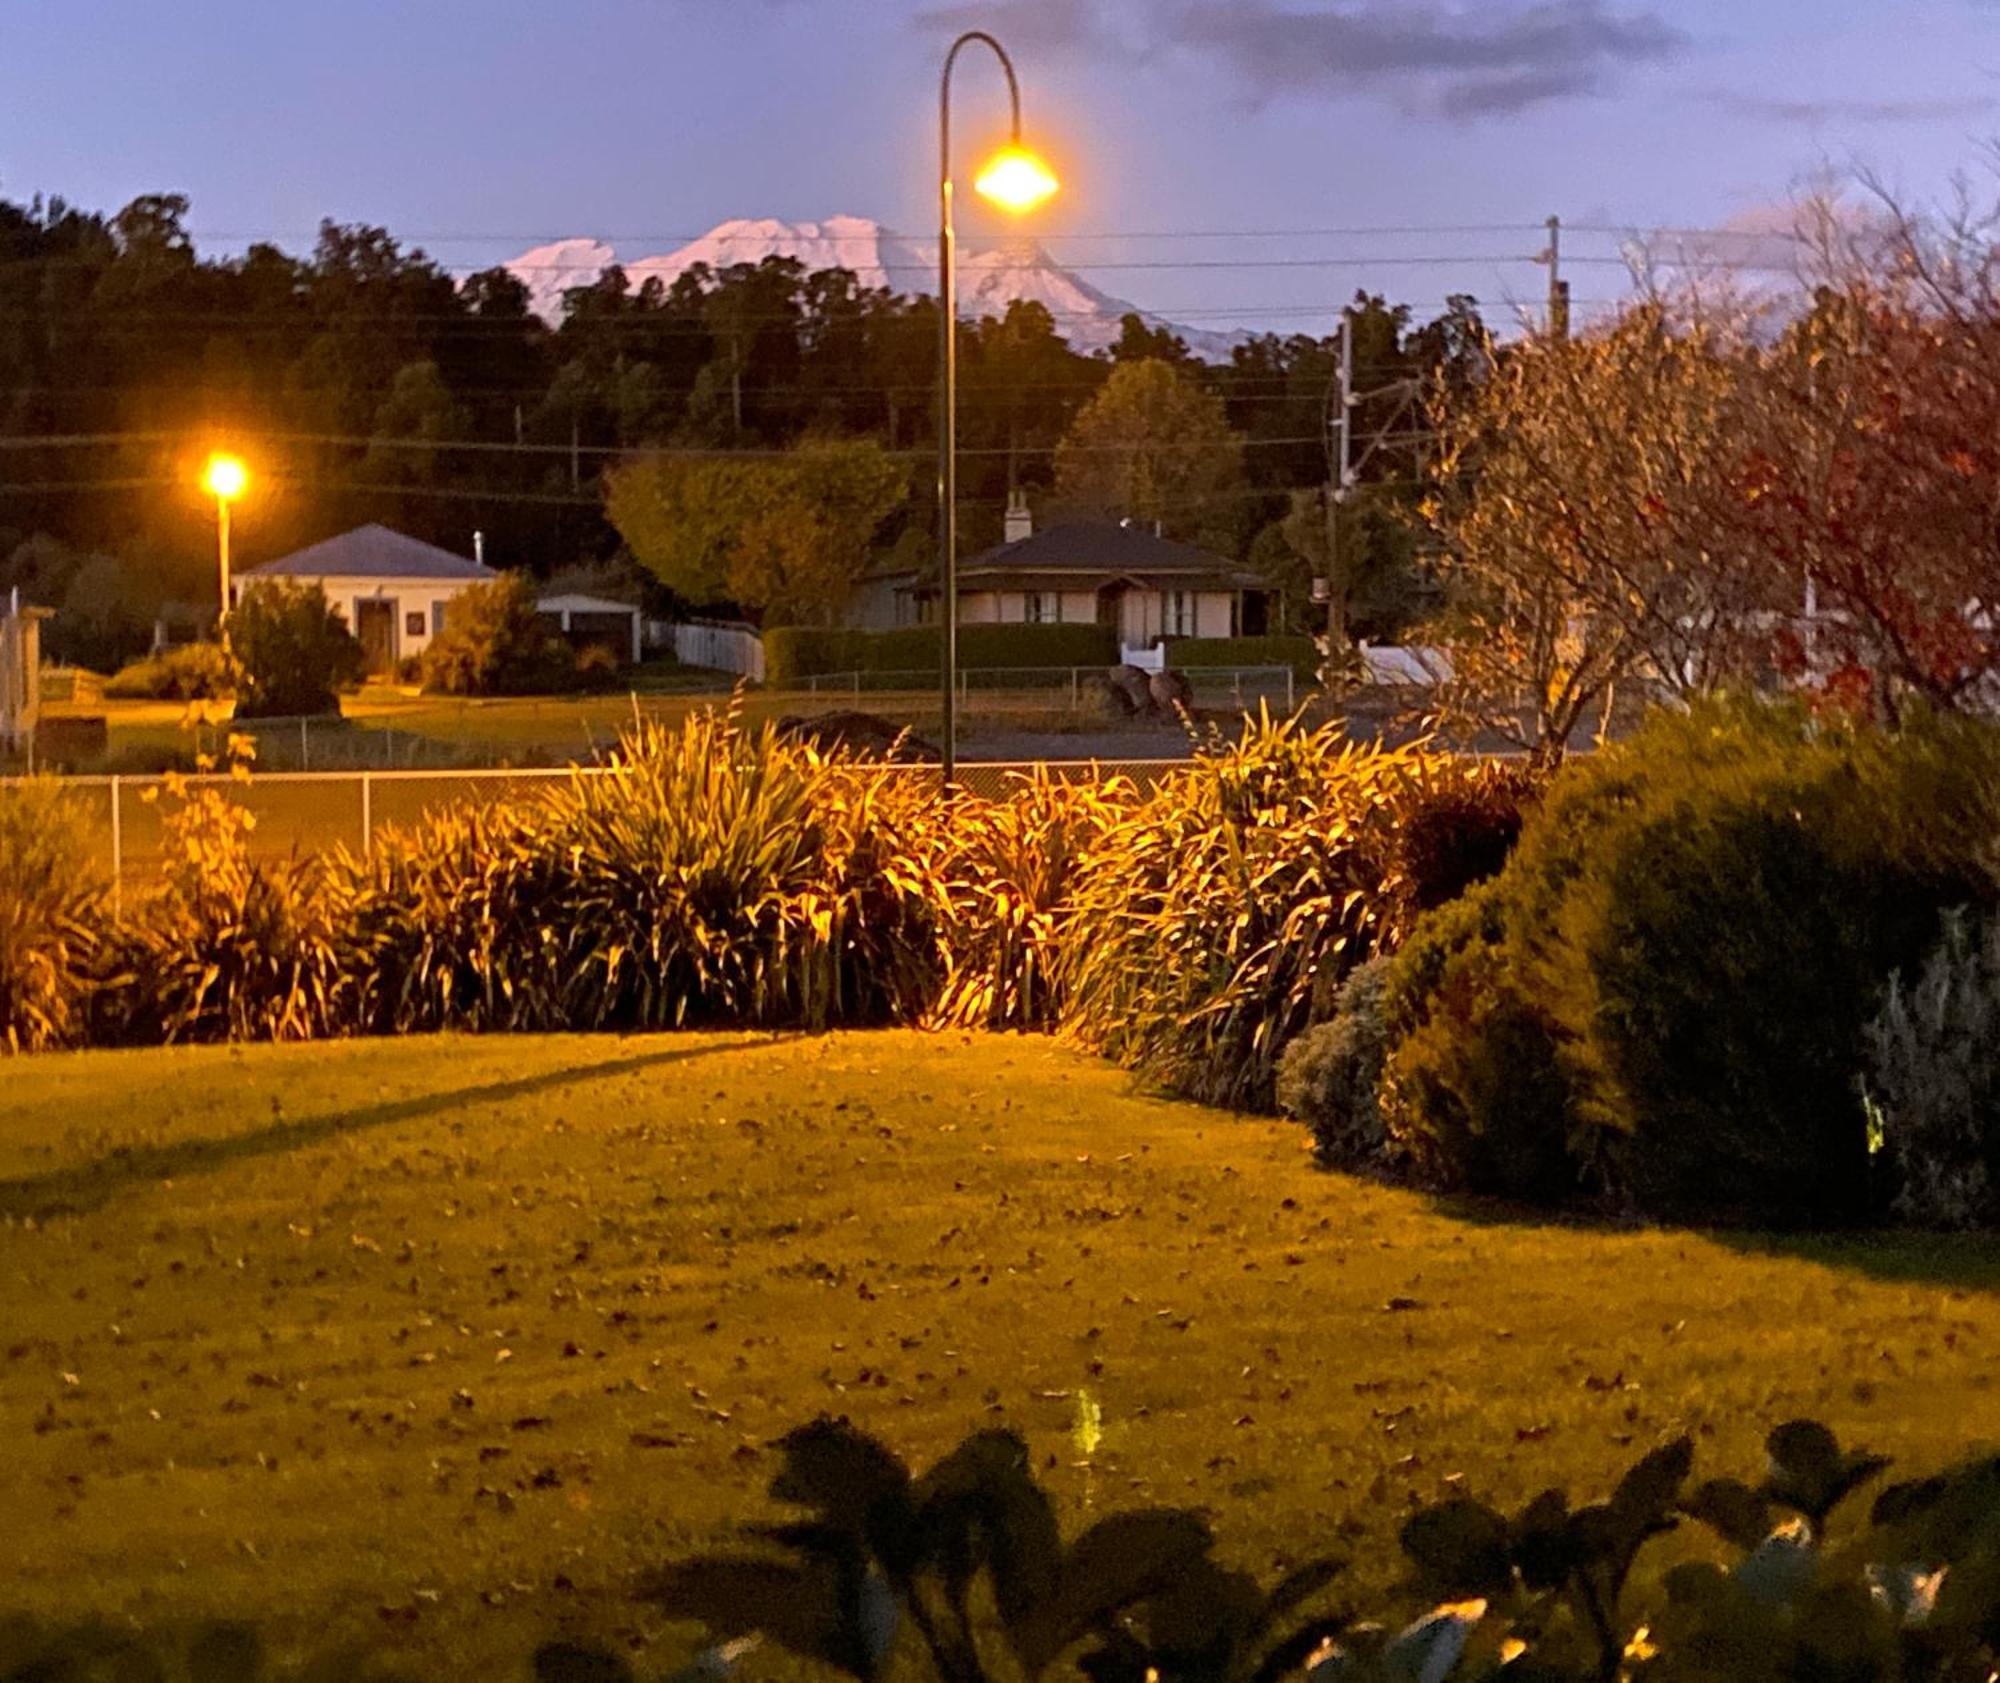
column 364, row 381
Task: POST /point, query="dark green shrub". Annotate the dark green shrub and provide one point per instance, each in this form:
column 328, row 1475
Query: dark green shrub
column 1330, row 1077
column 1474, row 1095
column 295, row 652
column 1934, row 1080
column 1456, row 823
column 52, row 918
column 188, row 672
column 494, row 643
column 1195, row 653
column 792, row 652
column 1672, row 975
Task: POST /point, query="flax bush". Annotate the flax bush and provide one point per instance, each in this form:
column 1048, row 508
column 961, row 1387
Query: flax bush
column 713, row 875
column 1218, row 920
column 1012, row 871
column 52, row 917
column 227, row 947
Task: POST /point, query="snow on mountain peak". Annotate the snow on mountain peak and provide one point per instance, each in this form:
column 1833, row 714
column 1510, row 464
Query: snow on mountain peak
column 988, row 279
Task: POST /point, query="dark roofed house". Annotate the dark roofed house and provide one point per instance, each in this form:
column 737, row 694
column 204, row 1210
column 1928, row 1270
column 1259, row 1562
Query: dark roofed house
column 1084, row 572
column 392, row 589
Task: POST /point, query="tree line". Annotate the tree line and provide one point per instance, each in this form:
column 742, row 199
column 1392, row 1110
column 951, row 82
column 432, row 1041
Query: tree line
column 365, row 381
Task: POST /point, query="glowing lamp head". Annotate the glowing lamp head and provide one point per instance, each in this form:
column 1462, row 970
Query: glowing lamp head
column 1015, row 179
column 225, row 478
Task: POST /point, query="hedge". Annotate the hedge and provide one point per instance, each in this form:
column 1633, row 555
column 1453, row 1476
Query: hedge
column 792, row 652
column 1191, row 653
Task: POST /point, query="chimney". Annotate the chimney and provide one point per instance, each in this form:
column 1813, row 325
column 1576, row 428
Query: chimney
column 1020, row 523
column 479, row 548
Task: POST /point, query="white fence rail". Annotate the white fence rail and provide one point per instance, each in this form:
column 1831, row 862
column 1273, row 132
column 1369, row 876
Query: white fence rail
column 720, row 648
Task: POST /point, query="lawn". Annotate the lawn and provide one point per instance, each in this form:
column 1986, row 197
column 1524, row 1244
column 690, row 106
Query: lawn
column 438, row 1342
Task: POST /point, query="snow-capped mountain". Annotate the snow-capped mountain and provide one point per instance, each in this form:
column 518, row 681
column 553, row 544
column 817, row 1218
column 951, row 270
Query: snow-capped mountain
column 989, row 279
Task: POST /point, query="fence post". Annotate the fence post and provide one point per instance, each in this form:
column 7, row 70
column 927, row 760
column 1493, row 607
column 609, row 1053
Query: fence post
column 367, row 816
column 857, row 683
column 1290, row 674
column 305, row 746
column 117, row 851
column 1075, row 687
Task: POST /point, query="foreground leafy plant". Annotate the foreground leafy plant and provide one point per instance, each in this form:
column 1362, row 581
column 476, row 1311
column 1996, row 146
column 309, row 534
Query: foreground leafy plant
column 961, row 1574
column 970, row 1551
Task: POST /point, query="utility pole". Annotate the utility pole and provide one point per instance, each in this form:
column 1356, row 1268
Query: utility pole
column 1343, row 482
column 1558, row 287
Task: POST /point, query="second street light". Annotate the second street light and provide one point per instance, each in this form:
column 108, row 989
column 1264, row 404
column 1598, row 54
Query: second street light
column 1015, row 179
column 225, row 479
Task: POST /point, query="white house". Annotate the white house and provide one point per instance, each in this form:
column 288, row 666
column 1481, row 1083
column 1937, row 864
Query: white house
column 391, row 589
column 1146, row 588
column 20, row 672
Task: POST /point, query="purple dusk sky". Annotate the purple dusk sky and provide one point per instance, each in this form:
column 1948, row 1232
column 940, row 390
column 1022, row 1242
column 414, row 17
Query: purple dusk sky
column 479, row 127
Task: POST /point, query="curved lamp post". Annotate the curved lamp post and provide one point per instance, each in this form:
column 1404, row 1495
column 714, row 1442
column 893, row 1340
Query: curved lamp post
column 225, row 478
column 1015, row 179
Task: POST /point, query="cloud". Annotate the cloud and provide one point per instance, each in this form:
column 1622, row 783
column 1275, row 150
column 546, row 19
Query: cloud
column 1033, row 25
column 1460, row 61
column 1815, row 113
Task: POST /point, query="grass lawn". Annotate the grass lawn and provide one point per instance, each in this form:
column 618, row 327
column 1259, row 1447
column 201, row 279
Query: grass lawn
column 385, row 726
column 436, row 1342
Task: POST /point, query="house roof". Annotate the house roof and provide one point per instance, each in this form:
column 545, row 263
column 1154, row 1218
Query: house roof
column 1097, row 547
column 572, row 602
column 1089, row 554
column 371, row 552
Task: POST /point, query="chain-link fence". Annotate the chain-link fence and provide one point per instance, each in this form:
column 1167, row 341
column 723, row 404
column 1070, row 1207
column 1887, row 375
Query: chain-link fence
column 314, row 812
column 1065, row 686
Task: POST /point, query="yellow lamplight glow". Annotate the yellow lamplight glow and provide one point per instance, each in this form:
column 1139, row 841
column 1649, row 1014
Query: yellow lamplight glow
column 1015, row 179
column 225, row 478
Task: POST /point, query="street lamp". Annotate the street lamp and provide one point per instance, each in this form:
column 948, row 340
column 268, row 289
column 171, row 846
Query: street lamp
column 1015, row 179
column 225, row 479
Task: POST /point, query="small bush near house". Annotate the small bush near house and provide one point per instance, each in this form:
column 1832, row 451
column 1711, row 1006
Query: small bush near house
column 295, row 653
column 188, row 672
column 1330, row 1077
column 494, row 643
column 1196, row 653
column 795, row 652
column 52, row 918
column 1934, row 1080
column 1216, row 922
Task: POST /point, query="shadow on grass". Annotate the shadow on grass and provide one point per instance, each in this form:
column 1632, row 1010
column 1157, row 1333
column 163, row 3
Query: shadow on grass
column 85, row 1187
column 1909, row 1256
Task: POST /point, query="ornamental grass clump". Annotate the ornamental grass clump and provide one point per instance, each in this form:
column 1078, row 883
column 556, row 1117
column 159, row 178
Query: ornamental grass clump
column 1012, row 872
column 1219, row 919
column 709, row 876
column 52, row 917
column 226, row 946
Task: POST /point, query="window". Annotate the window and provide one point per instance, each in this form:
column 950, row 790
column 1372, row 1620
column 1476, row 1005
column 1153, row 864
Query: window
column 1180, row 613
column 413, row 623
column 1041, row 607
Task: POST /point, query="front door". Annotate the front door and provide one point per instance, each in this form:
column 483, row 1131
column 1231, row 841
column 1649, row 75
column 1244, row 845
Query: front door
column 375, row 630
